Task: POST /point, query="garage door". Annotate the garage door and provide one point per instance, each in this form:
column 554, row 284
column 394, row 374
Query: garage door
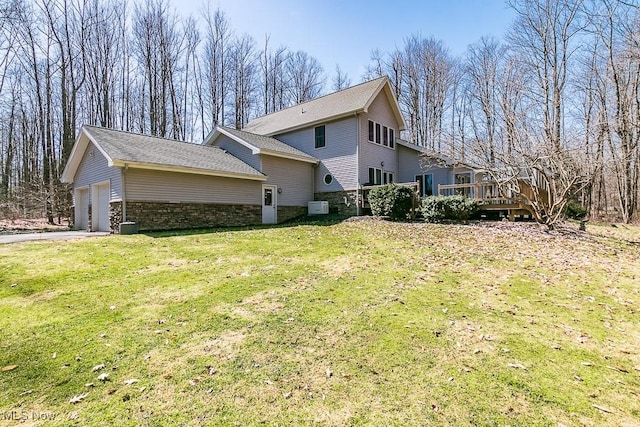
column 81, row 213
column 100, row 220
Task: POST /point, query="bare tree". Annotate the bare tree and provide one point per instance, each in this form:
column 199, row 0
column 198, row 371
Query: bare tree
column 306, row 77
column 244, row 79
column 340, row 80
column 215, row 62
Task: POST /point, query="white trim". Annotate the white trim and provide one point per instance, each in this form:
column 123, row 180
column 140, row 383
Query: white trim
column 274, row 204
column 290, row 156
column 256, row 150
column 182, row 169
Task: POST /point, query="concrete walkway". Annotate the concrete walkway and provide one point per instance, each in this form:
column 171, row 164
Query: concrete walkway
column 54, row 235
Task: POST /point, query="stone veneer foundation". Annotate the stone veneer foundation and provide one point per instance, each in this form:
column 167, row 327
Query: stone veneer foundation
column 285, row 213
column 150, row 216
column 337, row 202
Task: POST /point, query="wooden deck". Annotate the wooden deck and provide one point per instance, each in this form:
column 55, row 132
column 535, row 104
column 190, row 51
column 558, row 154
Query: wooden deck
column 489, row 198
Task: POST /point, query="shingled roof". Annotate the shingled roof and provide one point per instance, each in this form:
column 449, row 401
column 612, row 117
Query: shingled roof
column 260, row 144
column 135, row 150
column 355, row 99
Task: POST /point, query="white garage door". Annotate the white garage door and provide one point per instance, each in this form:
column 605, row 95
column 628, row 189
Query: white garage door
column 81, row 209
column 100, row 207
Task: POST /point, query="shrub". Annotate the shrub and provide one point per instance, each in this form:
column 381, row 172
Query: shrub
column 440, row 208
column 391, row 200
column 574, row 210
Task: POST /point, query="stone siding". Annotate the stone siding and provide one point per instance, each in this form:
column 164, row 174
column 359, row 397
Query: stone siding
column 115, row 216
column 337, row 204
column 285, row 213
column 150, row 216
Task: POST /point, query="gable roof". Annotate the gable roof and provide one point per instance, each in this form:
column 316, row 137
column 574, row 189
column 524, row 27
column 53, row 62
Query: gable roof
column 148, row 152
column 438, row 158
column 346, row 102
column 259, row 144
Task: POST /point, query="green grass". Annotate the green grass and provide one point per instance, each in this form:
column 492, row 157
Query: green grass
column 354, row 323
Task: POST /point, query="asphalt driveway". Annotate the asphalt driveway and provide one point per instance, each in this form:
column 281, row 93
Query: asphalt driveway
column 48, row 236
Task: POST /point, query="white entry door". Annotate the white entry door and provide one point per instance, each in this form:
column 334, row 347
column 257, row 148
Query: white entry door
column 269, row 204
column 81, row 209
column 100, row 220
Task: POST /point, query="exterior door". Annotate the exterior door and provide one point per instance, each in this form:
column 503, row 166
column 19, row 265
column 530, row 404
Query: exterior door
column 269, row 204
column 100, row 220
column 81, row 214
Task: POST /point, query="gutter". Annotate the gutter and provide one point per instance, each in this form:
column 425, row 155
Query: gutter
column 357, row 164
column 124, row 192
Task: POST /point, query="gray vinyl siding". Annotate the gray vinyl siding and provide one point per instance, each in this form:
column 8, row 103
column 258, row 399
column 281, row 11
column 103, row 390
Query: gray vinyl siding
column 238, row 150
column 293, row 177
column 159, row 186
column 94, row 168
column 372, row 154
column 411, row 164
column 338, row 157
column 414, row 164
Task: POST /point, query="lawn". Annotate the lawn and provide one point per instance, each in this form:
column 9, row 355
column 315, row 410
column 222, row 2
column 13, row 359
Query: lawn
column 350, row 323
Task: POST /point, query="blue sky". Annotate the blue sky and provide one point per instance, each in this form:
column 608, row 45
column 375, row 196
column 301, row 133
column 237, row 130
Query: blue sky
column 345, row 32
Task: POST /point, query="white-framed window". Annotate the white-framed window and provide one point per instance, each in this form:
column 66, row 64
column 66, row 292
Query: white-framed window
column 320, row 141
column 381, row 135
column 328, row 179
column 426, row 184
column 379, row 177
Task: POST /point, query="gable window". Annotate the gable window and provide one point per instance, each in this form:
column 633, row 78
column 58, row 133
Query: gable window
column 328, row 179
column 380, row 134
column 320, row 139
column 426, row 184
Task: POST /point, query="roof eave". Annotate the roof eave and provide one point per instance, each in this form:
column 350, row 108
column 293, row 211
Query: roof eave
column 315, row 122
column 77, row 152
column 184, row 169
column 290, row 156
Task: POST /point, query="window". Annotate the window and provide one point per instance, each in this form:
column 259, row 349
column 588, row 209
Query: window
column 379, row 134
column 328, row 179
column 379, row 177
column 375, row 176
column 320, row 140
column 426, row 184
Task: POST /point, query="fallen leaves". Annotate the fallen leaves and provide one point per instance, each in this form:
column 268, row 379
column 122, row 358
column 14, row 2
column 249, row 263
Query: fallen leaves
column 98, row 367
column 78, row 398
column 103, row 377
column 9, row 368
column 603, row 409
column 517, row 366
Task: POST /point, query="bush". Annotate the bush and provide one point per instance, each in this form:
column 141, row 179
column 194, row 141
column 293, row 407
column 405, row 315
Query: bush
column 391, row 200
column 574, row 210
column 440, row 208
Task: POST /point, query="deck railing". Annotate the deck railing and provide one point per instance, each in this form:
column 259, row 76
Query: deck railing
column 483, row 192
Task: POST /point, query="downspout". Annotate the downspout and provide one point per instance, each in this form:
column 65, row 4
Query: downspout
column 124, row 192
column 357, row 164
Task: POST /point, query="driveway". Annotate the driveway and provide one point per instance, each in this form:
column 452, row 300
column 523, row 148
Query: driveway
column 54, row 235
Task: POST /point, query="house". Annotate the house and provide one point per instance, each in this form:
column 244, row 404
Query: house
column 326, row 149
